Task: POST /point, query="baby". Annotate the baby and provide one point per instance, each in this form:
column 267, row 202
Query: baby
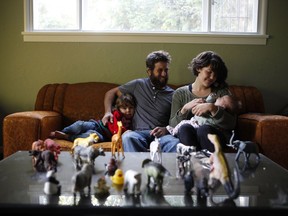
column 226, row 101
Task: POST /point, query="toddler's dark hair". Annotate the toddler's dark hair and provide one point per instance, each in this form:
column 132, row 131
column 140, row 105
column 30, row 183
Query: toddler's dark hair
column 125, row 99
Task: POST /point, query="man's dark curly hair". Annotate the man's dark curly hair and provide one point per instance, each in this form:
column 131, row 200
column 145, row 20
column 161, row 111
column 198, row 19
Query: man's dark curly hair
column 157, row 56
column 210, row 58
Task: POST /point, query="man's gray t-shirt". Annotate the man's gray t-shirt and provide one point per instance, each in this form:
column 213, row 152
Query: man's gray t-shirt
column 153, row 105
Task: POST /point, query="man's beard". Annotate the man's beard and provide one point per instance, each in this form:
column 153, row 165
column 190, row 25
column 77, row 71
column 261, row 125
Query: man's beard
column 159, row 84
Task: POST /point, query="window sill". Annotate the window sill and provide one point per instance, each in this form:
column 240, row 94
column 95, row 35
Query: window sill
column 248, row 39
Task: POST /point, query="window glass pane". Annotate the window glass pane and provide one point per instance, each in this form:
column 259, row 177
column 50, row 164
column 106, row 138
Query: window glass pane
column 234, row 15
column 143, row 15
column 55, row 15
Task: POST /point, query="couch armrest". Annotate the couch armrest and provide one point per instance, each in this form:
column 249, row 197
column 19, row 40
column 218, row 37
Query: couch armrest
column 21, row 129
column 269, row 131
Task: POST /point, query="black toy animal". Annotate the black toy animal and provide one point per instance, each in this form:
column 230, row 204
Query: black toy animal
column 45, row 160
column 244, row 147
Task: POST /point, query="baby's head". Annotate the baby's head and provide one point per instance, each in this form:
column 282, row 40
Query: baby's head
column 227, row 102
column 126, row 104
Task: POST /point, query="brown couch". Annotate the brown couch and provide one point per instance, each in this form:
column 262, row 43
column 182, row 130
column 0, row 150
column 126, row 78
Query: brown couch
column 58, row 105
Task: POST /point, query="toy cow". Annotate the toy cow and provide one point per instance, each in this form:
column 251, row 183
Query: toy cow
column 155, row 171
column 52, row 186
column 132, row 182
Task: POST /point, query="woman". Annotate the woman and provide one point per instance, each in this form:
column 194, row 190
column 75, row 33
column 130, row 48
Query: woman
column 211, row 73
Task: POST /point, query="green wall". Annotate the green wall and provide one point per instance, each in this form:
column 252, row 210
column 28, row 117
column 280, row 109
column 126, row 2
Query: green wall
column 27, row 66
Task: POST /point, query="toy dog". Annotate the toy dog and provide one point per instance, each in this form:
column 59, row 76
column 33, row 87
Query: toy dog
column 85, row 142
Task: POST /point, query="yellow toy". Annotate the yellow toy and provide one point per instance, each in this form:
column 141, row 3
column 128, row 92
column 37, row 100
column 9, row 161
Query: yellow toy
column 118, row 177
column 219, row 171
column 85, row 142
column 116, row 141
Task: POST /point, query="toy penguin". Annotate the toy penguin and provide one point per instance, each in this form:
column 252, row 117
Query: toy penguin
column 52, row 186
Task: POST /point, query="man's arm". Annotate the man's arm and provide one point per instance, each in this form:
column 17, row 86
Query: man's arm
column 108, row 101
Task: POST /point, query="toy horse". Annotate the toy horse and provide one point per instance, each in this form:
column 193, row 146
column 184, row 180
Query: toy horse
column 155, row 151
column 90, row 140
column 116, row 141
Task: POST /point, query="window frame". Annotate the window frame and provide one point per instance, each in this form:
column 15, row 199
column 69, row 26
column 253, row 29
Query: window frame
column 259, row 38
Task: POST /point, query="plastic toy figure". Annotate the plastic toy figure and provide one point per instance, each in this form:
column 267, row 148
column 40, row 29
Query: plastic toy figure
column 51, row 145
column 155, row 151
column 86, row 155
column 81, row 180
column 111, row 167
column 116, row 142
column 156, row 172
column 118, row 177
column 85, row 142
column 52, row 186
column 220, row 172
column 132, row 182
column 101, row 190
column 45, row 160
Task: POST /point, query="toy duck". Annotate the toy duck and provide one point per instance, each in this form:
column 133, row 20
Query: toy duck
column 118, row 177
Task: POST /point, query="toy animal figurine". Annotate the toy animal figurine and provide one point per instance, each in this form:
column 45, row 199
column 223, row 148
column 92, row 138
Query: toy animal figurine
column 220, row 172
column 155, row 171
column 118, row 177
column 183, row 155
column 52, row 186
column 51, row 145
column 116, row 142
column 81, row 180
column 111, row 167
column 85, row 142
column 244, row 147
column 155, row 150
column 45, row 160
column 86, row 155
column 37, row 145
column 199, row 177
column 132, row 182
column 101, row 190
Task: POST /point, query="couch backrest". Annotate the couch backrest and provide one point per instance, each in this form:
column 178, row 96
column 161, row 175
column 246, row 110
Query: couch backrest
column 79, row 101
column 86, row 100
column 250, row 97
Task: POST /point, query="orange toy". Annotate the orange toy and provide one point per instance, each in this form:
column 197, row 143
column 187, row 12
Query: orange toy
column 116, row 141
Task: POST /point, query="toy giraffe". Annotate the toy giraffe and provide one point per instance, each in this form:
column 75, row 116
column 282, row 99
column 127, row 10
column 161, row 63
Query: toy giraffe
column 116, row 141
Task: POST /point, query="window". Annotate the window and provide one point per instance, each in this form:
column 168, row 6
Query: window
column 177, row 21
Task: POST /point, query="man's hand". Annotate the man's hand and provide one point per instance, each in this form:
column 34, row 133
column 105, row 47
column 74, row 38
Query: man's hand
column 159, row 131
column 107, row 117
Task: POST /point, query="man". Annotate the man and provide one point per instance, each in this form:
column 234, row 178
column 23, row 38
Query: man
column 152, row 109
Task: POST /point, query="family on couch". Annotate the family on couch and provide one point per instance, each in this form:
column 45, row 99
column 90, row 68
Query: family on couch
column 157, row 105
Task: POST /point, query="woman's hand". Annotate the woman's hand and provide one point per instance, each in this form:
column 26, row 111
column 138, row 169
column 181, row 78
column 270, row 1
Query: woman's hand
column 204, row 108
column 158, row 131
column 189, row 106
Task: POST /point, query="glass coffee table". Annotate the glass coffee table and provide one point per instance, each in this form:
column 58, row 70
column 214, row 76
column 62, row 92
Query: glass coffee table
column 263, row 187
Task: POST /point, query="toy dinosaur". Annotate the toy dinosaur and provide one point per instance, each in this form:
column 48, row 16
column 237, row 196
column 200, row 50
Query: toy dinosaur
column 219, row 171
column 116, row 141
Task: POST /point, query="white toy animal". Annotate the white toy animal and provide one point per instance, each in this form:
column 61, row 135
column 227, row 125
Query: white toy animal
column 132, row 182
column 155, row 151
column 52, row 186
